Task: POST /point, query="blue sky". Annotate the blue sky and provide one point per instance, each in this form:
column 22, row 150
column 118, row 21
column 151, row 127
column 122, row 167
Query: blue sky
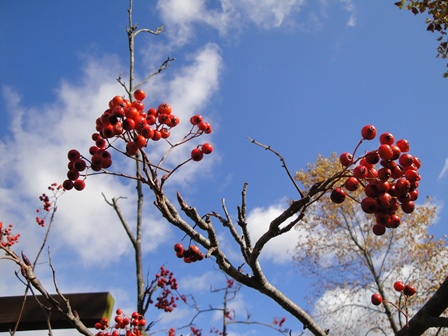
column 300, row 76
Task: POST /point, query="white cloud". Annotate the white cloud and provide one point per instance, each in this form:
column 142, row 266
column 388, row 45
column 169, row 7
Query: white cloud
column 350, row 8
column 269, row 14
column 42, row 135
column 281, row 248
column 180, row 16
column 444, row 170
column 183, row 17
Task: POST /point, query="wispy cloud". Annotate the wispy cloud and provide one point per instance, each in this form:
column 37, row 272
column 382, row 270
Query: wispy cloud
column 347, row 5
column 444, row 170
column 184, row 18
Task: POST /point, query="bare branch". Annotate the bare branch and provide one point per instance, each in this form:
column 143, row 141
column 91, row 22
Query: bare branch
column 283, row 163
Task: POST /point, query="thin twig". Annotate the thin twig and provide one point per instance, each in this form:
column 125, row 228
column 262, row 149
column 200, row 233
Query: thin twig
column 282, row 160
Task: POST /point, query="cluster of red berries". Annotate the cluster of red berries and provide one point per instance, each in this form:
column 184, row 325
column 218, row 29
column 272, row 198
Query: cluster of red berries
column 7, row 239
column 202, row 126
column 191, row 254
column 130, row 324
column 76, row 165
column 387, row 189
column 57, row 190
column 407, row 290
column 167, row 282
column 128, row 120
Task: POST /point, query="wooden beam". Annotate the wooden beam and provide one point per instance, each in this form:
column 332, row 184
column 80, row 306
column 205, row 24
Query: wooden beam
column 91, row 307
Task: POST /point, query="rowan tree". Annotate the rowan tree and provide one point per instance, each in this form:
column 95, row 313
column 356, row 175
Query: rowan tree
column 353, row 263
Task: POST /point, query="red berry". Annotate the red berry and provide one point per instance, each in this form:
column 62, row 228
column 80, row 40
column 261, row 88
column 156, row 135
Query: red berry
column 207, row 148
column 164, row 108
column 151, row 119
column 337, row 195
column 67, row 185
column 406, row 160
column 368, row 132
column 408, row 207
column 132, row 113
column 378, row 230
column 369, row 205
column 101, row 143
column 140, row 141
column 384, row 200
column 383, row 219
column 156, row 136
column 403, row 145
column 395, row 221
column 409, row 290
column 196, row 119
column 399, row 286
column 79, row 185
column 412, row 175
column 346, row 159
column 387, row 138
column 96, row 159
column 351, row 184
column 417, row 162
column 384, row 173
column 371, row 190
column 152, row 111
column 139, row 94
column 178, row 247
column 360, row 172
column 376, row 299
column 73, row 155
column 131, row 149
column 372, row 157
column 197, row 154
column 174, row 121
column 147, row 132
column 385, row 151
column 194, row 249
column 397, row 152
column 117, row 100
column 203, row 126
column 119, row 311
column 165, row 132
column 79, row 165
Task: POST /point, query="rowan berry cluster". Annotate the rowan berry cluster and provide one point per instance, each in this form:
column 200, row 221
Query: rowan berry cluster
column 191, row 254
column 76, row 165
column 167, row 282
column 407, row 290
column 388, row 187
column 7, row 239
column 127, row 120
column 48, row 204
column 130, row 325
